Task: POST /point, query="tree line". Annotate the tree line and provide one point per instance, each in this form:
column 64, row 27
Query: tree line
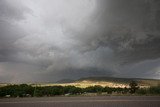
column 24, row 90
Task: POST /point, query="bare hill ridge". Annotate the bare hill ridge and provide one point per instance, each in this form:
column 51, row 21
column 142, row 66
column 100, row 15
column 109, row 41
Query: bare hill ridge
column 102, row 81
column 112, row 81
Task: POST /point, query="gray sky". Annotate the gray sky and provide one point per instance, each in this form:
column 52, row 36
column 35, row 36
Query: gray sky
column 49, row 40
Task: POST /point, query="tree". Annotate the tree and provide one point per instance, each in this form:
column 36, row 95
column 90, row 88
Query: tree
column 108, row 90
column 133, row 87
column 94, row 89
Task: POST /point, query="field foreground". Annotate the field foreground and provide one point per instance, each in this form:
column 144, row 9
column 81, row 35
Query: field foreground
column 98, row 101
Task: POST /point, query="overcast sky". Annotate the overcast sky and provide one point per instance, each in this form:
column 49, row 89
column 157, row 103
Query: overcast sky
column 49, row 40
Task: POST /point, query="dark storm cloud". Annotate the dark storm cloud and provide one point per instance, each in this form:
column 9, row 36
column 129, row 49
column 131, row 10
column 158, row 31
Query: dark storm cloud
column 130, row 28
column 47, row 40
column 8, row 35
column 10, row 11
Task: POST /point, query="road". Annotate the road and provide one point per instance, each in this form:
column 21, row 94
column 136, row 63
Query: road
column 99, row 101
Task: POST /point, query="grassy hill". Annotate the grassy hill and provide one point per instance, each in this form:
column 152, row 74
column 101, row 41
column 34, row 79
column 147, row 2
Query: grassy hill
column 102, row 81
column 140, row 81
column 111, row 82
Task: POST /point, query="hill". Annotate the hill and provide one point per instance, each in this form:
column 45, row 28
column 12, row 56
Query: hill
column 140, row 81
column 65, row 81
column 111, row 82
column 102, row 81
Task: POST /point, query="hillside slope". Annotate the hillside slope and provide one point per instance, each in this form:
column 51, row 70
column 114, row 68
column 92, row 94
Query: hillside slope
column 110, row 82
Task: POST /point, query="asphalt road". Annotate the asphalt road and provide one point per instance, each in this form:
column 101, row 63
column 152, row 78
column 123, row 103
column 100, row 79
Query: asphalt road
column 101, row 101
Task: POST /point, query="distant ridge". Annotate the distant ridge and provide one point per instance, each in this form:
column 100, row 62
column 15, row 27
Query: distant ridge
column 141, row 81
column 66, row 81
column 103, row 81
column 108, row 79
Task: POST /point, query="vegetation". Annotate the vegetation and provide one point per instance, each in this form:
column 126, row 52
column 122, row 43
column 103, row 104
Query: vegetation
column 25, row 90
column 17, row 90
column 133, row 87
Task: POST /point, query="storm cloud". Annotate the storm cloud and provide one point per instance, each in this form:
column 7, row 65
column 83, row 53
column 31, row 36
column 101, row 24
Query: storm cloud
column 49, row 40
